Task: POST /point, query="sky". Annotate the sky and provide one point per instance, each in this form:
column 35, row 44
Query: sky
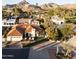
column 40, row 2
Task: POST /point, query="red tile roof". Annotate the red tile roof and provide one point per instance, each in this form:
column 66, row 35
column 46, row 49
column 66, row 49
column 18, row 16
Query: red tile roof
column 28, row 27
column 20, row 29
column 14, row 32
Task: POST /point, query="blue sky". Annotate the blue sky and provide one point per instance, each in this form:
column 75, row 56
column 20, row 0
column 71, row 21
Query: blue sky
column 39, row 1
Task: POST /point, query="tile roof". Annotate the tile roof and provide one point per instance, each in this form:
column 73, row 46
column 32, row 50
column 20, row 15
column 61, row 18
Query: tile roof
column 14, row 26
column 20, row 29
column 28, row 27
column 38, row 28
column 14, row 32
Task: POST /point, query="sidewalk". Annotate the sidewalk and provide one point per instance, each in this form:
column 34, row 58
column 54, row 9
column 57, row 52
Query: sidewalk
column 42, row 45
column 45, row 45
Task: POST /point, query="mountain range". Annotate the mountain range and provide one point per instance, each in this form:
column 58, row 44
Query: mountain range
column 25, row 6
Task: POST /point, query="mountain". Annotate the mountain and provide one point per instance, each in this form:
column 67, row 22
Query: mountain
column 9, row 6
column 69, row 6
column 53, row 5
column 23, row 2
column 25, row 6
column 29, row 7
column 49, row 6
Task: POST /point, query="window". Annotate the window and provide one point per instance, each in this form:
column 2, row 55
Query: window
column 61, row 22
column 4, row 23
column 7, row 23
column 29, row 34
column 12, row 23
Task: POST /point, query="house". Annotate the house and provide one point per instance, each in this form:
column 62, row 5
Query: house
column 14, row 35
column 39, row 16
column 57, row 20
column 39, row 32
column 24, row 20
column 8, row 23
column 35, row 22
column 28, row 21
column 21, row 32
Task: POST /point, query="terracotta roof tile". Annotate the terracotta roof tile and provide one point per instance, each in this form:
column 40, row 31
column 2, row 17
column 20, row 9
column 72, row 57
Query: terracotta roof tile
column 20, row 29
column 14, row 32
column 29, row 29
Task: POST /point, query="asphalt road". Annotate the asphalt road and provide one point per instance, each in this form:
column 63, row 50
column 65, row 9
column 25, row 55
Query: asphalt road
column 16, row 53
column 46, row 53
column 45, row 50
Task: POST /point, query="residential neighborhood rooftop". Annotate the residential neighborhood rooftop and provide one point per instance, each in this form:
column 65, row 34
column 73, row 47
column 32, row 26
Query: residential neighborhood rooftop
column 14, row 32
column 20, row 29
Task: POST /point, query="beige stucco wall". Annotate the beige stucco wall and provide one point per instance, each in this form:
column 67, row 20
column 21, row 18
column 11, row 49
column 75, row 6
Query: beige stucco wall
column 14, row 38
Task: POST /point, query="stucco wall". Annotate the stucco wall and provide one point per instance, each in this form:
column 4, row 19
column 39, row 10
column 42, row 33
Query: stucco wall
column 14, row 38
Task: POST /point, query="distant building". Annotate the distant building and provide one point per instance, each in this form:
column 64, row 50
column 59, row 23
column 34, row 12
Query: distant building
column 36, row 23
column 8, row 23
column 25, row 20
column 57, row 20
column 40, row 16
column 36, row 4
column 28, row 21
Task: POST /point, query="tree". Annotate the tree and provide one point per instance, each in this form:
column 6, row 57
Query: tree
column 65, row 52
column 17, row 11
column 68, row 15
column 50, row 29
column 52, row 33
column 51, row 12
column 66, row 31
